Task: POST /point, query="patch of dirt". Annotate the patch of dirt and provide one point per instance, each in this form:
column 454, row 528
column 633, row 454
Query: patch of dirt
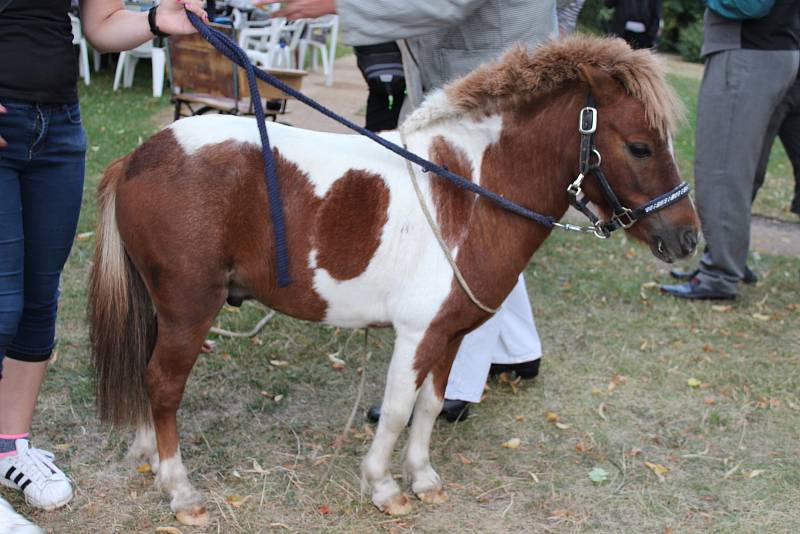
column 773, row 236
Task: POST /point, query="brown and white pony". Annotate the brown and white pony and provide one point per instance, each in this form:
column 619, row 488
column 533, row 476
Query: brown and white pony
column 184, row 226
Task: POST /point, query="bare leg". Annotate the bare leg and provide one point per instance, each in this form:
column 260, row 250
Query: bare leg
column 398, row 402
column 425, row 482
column 19, row 389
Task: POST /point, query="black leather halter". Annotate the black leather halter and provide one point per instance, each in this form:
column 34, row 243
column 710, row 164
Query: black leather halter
column 622, row 217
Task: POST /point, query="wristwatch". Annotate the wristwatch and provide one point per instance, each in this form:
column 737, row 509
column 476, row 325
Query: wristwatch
column 151, row 20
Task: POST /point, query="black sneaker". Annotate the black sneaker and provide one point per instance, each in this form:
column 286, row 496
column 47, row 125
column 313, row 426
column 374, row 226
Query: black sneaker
column 524, row 370
column 749, row 276
column 452, row 410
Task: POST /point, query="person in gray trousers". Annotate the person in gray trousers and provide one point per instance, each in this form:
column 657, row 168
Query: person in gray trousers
column 749, row 67
column 785, row 124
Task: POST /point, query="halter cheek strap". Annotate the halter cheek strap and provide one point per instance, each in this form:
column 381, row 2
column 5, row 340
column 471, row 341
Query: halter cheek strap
column 622, row 217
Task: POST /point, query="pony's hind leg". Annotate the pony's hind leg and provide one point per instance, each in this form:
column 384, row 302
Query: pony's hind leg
column 398, row 402
column 182, row 327
column 417, row 469
column 144, row 446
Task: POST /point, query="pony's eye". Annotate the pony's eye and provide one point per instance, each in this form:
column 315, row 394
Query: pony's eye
column 640, row 150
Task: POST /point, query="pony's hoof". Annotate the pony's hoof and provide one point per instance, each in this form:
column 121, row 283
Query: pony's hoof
column 398, row 505
column 194, row 517
column 434, row 496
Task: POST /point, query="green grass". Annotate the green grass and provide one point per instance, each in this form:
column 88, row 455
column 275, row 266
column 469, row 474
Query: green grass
column 774, row 198
column 617, row 360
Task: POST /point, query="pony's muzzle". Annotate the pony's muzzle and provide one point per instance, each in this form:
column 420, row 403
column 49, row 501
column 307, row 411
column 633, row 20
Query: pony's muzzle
column 674, row 244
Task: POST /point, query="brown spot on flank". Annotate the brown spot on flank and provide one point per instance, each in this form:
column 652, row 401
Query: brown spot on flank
column 453, row 204
column 161, row 155
column 349, row 223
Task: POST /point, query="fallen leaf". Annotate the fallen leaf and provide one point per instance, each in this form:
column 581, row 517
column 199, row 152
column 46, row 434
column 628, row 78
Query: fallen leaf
column 761, row 317
column 562, row 426
column 279, row 363
column 598, row 475
column 636, row 451
column 519, row 418
column 237, row 501
column 551, row 417
column 63, row 447
column 324, row 509
column 601, row 411
column 533, row 476
column 464, row 459
column 650, row 285
column 278, row 398
column 168, row 530
column 722, row 308
column 231, row 309
column 513, row 443
column 659, row 470
column 693, row 383
column 144, row 468
column 226, row 357
column 83, row 236
column 754, row 473
column 597, row 391
column 336, row 363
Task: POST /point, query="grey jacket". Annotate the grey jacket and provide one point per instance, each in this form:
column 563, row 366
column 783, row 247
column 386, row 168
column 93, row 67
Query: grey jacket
column 720, row 33
column 445, row 38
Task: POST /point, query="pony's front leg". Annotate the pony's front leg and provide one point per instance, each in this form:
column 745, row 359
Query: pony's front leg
column 398, row 402
column 417, row 469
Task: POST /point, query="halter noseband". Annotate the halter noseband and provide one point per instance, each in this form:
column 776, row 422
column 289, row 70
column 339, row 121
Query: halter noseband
column 622, row 217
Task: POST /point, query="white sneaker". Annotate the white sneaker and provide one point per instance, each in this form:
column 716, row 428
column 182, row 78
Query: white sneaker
column 13, row 523
column 33, row 472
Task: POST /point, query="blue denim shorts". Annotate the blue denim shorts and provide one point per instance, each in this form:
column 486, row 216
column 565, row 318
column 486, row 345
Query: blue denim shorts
column 41, row 187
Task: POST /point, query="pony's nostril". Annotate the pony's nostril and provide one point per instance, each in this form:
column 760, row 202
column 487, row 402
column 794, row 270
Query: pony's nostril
column 688, row 241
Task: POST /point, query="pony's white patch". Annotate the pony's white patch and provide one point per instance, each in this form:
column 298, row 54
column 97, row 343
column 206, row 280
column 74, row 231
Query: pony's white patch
column 417, row 466
column 172, row 477
column 670, row 146
column 434, row 108
column 144, row 446
column 312, row 258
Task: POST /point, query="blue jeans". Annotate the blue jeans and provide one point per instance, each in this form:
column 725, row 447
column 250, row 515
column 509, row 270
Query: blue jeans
column 41, row 185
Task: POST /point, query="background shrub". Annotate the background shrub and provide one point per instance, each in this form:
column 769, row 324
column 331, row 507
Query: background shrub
column 682, row 31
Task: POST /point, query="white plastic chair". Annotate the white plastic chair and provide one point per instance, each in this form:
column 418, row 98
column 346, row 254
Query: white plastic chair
column 273, row 43
column 79, row 40
column 126, row 66
column 321, row 36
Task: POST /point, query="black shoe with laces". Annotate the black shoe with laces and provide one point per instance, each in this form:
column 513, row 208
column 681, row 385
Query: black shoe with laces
column 452, row 410
column 524, row 370
column 749, row 276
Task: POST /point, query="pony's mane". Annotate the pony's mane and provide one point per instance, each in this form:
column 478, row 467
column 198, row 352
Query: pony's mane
column 523, row 71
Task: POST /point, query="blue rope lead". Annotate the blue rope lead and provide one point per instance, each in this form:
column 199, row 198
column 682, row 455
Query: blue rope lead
column 231, row 50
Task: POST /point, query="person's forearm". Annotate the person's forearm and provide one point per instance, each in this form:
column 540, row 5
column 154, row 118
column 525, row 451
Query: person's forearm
column 385, row 20
column 110, row 27
column 120, row 30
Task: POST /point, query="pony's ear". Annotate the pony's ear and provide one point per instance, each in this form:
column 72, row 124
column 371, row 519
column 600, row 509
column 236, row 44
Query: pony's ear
column 604, row 88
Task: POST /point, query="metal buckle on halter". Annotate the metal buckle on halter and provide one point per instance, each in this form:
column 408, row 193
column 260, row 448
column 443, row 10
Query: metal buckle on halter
column 588, row 121
column 574, row 188
column 601, row 231
column 618, row 218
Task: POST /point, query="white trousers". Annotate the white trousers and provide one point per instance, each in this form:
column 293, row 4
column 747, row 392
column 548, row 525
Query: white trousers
column 508, row 337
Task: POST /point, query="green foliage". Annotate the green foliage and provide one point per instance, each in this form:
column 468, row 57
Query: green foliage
column 690, row 41
column 682, row 30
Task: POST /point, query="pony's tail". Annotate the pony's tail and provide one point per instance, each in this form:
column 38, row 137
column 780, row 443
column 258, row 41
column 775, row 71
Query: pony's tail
column 122, row 321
